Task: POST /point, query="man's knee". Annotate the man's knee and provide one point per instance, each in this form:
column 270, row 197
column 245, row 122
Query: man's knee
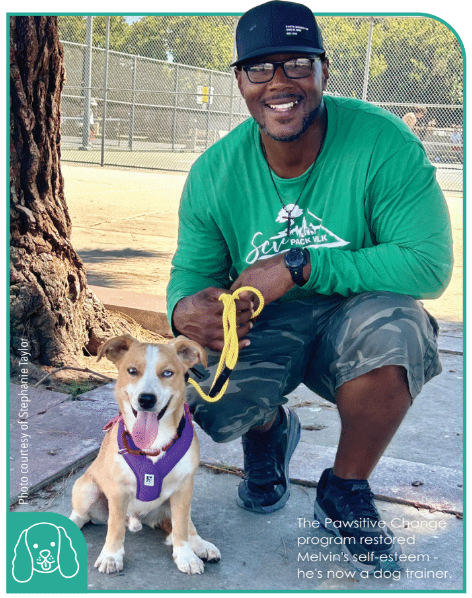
column 388, row 384
column 372, row 331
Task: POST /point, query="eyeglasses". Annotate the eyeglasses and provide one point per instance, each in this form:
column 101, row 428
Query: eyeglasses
column 294, row 68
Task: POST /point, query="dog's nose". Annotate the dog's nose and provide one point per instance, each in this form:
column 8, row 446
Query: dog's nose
column 45, row 553
column 147, row 401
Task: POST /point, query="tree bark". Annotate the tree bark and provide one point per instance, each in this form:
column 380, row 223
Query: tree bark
column 51, row 307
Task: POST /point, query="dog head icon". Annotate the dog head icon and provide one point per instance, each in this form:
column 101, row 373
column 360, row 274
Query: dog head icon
column 44, row 548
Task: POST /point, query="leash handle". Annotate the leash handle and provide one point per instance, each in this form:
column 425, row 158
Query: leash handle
column 236, row 294
column 230, row 353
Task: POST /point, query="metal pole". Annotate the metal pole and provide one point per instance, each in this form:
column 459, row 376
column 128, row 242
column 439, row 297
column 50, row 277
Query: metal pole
column 133, row 101
column 231, row 98
column 208, row 110
column 367, row 60
column 174, row 120
column 87, row 85
column 105, row 87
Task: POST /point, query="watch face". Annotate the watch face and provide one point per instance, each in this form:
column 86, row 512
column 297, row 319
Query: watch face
column 294, row 257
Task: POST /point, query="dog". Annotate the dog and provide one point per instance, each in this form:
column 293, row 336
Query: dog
column 150, row 391
column 45, row 548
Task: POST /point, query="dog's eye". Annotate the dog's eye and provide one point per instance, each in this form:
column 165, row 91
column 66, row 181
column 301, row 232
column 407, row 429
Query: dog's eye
column 53, row 543
column 167, row 373
column 132, row 371
column 35, row 546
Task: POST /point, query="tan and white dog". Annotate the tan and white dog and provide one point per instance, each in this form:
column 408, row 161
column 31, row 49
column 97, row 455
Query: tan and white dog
column 150, row 391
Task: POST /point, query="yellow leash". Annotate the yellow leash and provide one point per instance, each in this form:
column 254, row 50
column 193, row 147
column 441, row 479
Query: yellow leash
column 229, row 355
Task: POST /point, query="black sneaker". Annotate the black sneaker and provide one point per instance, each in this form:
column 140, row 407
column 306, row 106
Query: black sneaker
column 266, row 486
column 346, row 508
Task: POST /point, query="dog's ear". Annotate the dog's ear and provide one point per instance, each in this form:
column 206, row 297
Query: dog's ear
column 115, row 348
column 189, row 352
column 67, row 557
column 22, row 566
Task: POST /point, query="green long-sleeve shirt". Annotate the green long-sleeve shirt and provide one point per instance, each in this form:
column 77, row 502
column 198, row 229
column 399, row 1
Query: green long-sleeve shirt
column 372, row 214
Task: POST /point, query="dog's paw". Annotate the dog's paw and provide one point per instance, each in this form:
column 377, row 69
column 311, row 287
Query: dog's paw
column 187, row 561
column 205, row 550
column 134, row 524
column 110, row 562
column 78, row 520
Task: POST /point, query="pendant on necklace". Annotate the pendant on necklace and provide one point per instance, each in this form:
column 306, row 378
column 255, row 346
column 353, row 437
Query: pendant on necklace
column 289, row 219
column 290, row 213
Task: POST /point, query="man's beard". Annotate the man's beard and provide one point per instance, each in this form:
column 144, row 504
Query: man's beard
column 306, row 124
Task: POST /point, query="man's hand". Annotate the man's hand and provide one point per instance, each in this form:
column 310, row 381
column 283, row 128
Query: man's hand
column 270, row 277
column 200, row 318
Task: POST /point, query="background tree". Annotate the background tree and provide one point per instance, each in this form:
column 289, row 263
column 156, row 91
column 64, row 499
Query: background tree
column 345, row 41
column 72, row 28
column 203, row 41
column 422, row 55
column 50, row 303
column 146, row 37
column 211, row 42
column 119, row 30
column 413, row 60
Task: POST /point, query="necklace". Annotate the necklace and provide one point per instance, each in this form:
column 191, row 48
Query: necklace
column 289, row 218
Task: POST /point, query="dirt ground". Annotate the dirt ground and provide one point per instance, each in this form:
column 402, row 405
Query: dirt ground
column 125, row 228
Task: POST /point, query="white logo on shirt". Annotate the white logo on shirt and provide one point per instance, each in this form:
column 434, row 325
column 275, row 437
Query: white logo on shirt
column 304, row 233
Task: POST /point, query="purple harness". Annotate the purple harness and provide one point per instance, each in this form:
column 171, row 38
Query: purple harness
column 149, row 475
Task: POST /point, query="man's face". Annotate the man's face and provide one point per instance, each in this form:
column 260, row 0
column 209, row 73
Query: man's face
column 285, row 108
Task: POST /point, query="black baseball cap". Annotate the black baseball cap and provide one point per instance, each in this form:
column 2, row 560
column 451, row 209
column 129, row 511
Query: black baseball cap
column 276, row 27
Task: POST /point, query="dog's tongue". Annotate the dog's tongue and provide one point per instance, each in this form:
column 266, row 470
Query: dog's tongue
column 145, row 429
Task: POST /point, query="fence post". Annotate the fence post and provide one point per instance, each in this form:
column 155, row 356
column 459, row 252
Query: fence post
column 105, row 89
column 367, row 60
column 230, row 124
column 231, row 102
column 87, row 85
column 133, row 101
column 208, row 110
column 174, row 120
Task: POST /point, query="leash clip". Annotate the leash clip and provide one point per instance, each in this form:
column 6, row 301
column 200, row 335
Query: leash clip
column 202, row 376
column 219, row 382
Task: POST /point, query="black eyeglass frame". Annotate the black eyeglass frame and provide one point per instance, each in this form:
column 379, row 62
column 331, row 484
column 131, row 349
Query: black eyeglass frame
column 275, row 65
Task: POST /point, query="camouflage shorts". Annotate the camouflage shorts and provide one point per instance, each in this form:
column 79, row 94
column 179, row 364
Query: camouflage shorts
column 322, row 342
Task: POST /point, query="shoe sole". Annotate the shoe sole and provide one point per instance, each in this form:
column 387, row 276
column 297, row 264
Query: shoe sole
column 322, row 517
column 294, row 433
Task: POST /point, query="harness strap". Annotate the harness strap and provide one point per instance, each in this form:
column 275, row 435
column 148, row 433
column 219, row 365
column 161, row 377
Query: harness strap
column 149, row 475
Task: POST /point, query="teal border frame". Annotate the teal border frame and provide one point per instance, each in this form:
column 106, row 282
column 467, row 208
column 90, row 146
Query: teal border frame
column 464, row 278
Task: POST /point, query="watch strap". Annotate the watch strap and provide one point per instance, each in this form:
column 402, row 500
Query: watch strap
column 297, row 275
column 296, row 269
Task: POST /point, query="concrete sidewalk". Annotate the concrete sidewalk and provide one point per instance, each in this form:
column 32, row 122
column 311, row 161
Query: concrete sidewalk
column 270, row 552
column 418, row 483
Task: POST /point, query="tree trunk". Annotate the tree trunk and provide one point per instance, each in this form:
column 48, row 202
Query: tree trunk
column 51, row 307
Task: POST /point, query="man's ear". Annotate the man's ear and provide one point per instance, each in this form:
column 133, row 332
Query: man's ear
column 238, row 73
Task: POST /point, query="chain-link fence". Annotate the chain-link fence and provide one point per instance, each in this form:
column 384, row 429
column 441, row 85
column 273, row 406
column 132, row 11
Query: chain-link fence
column 157, row 91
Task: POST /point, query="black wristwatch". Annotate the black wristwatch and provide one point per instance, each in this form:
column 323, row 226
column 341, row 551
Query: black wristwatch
column 294, row 260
